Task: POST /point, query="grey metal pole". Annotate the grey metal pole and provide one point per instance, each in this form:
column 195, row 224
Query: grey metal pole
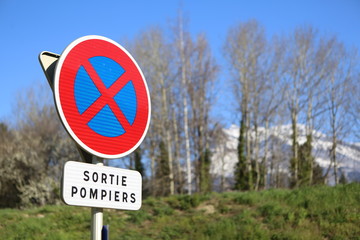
column 96, row 213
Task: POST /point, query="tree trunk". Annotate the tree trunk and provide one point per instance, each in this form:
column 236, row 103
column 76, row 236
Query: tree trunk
column 295, row 177
column 256, row 158
column 185, row 106
column 176, row 155
column 333, row 159
column 170, row 159
column 266, row 149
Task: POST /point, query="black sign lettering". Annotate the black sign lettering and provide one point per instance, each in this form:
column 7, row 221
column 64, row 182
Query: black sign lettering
column 93, row 193
column 123, row 182
column 125, row 195
column 117, row 199
column 103, row 178
column 73, row 190
column 95, row 177
column 103, row 194
column 86, row 176
column 111, row 178
column 82, row 192
column 132, row 196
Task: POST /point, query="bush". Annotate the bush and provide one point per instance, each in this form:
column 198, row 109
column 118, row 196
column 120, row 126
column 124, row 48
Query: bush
column 245, row 198
column 184, row 202
column 270, row 210
column 137, row 217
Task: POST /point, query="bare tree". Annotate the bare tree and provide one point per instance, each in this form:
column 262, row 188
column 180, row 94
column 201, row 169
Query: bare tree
column 338, row 100
column 248, row 53
column 154, row 55
column 200, row 91
column 183, row 52
column 271, row 107
column 307, row 68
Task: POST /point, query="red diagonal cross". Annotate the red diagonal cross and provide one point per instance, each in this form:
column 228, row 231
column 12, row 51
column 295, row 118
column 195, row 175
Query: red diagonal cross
column 106, row 97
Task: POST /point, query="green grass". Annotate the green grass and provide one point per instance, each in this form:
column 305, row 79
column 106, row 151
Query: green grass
column 308, row 213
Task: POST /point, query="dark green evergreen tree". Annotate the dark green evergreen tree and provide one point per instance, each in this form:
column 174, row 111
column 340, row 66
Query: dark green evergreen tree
column 139, row 166
column 162, row 172
column 205, row 177
column 294, row 161
column 137, row 162
column 306, row 162
column 262, row 175
column 343, row 179
column 3, row 129
column 240, row 174
column 318, row 177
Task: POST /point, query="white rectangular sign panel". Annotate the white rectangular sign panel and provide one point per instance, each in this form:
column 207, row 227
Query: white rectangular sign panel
column 90, row 185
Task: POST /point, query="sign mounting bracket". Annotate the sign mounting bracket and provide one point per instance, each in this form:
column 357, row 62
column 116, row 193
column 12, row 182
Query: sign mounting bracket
column 48, row 61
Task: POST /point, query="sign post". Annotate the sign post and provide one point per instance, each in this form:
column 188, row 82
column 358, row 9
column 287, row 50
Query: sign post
column 103, row 102
column 96, row 213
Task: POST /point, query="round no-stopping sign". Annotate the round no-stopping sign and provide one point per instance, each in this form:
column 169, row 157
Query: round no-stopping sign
column 102, row 97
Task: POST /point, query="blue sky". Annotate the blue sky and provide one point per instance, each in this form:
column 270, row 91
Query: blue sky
column 29, row 27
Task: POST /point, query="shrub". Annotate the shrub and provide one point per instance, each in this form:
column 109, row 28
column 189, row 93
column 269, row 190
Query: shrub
column 184, row 202
column 137, row 217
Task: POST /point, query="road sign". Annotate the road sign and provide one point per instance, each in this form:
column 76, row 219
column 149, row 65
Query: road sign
column 90, row 185
column 102, row 97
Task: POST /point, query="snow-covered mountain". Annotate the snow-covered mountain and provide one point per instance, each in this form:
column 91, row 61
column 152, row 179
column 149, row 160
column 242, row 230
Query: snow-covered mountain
column 278, row 138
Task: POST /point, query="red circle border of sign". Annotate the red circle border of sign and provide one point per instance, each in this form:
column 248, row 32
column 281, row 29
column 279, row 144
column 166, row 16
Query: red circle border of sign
column 65, row 73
